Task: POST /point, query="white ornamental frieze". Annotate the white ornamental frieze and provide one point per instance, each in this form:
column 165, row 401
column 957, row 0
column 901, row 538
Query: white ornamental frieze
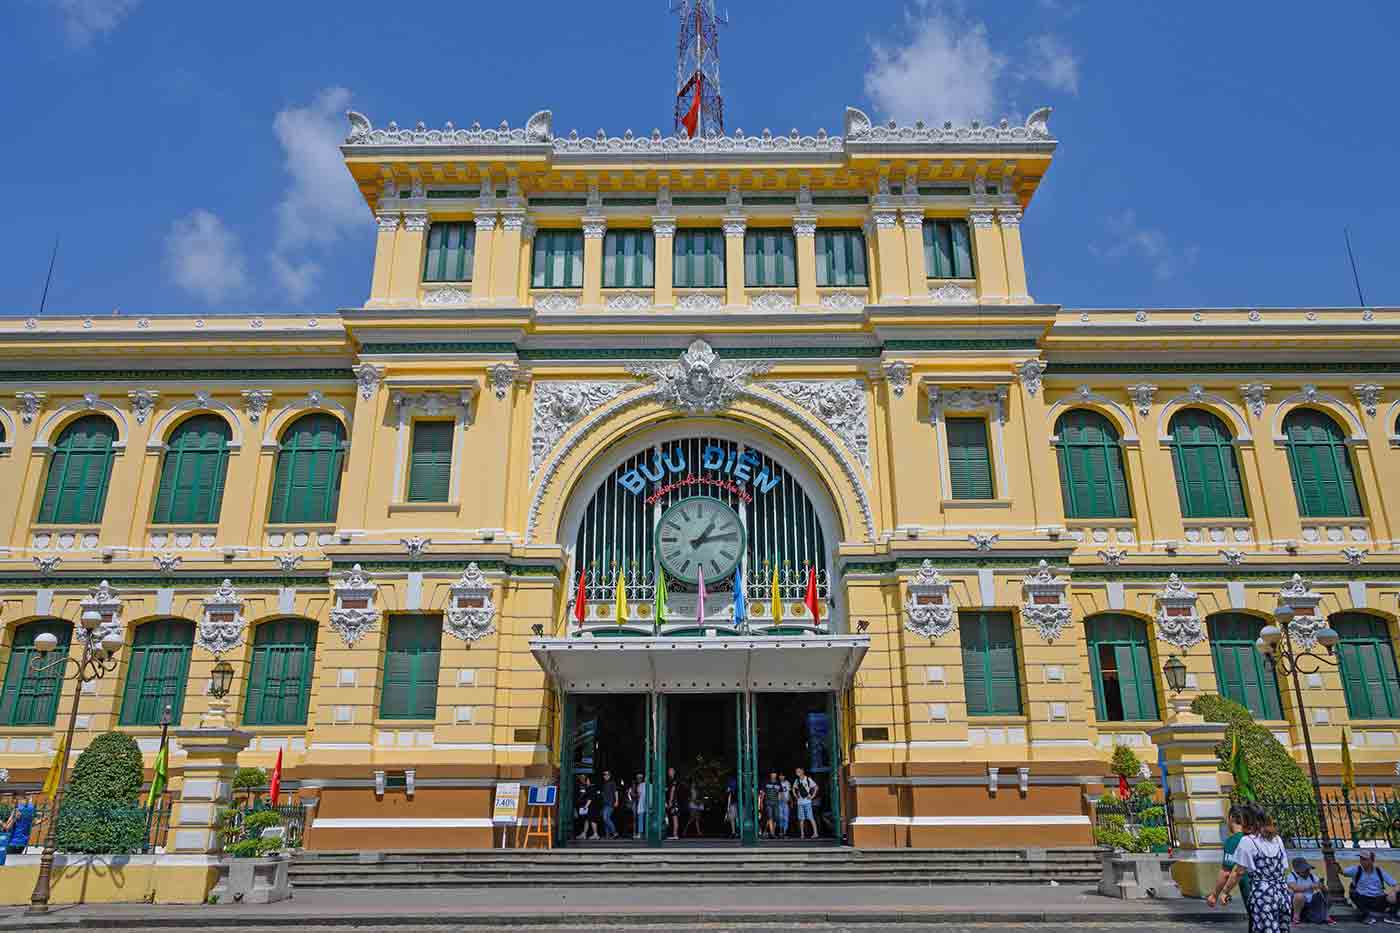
column 222, row 627
column 558, row 405
column 355, row 612
column 1046, row 606
column 840, row 404
column 699, row 383
column 107, row 604
column 471, row 614
column 1298, row 595
column 928, row 610
column 1178, row 622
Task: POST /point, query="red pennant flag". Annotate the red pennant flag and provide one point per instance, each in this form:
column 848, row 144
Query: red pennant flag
column 691, row 120
column 1123, row 791
column 580, row 601
column 274, row 788
column 810, row 599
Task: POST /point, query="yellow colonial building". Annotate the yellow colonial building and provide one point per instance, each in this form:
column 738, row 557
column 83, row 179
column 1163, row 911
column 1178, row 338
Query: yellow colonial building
column 775, row 372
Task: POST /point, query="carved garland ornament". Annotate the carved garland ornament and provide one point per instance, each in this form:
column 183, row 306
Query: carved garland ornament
column 1178, row 622
column 354, row 613
column 471, row 614
column 1298, row 595
column 221, row 629
column 558, row 405
column 928, row 610
column 699, row 383
column 1046, row 607
column 108, row 604
column 840, row 403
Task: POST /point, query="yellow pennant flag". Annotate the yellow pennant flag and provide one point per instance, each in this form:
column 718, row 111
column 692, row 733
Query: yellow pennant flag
column 775, row 601
column 51, row 779
column 621, row 598
column 1348, row 771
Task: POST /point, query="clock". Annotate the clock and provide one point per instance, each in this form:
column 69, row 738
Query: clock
column 699, row 532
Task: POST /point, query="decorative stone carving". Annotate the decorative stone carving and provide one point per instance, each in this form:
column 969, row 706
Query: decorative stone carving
column 143, row 402
column 1030, row 373
column 735, row 226
column 1234, row 557
column 899, row 373
column 699, row 301
column 29, row 404
column 843, row 301
column 1112, row 555
column 1178, row 622
column 47, row 565
column 558, row 405
column 960, row 399
column 501, row 376
column 512, row 221
column 221, row 628
column 556, row 302
column 255, row 402
column 415, row 546
column 928, row 611
column 354, row 613
column 983, row 541
column 1009, row 218
column 447, row 295
column 1368, row 396
column 1046, row 607
column 804, row 225
column 913, row 220
column 699, row 383
column 981, row 218
column 594, row 228
column 388, row 221
column 540, row 127
column 772, row 301
column 1354, row 555
column 367, row 377
column 107, row 603
column 886, row 218
column 415, row 221
column 1141, row 394
column 167, row 563
column 288, row 562
column 432, row 404
column 1298, row 595
column 951, row 294
column 629, row 301
column 471, row 613
column 1256, row 394
column 485, row 220
column 663, row 226
column 840, row 404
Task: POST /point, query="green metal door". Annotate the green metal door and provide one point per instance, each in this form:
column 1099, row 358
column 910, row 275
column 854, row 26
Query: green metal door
column 656, row 768
column 834, row 733
column 748, row 769
column 565, row 830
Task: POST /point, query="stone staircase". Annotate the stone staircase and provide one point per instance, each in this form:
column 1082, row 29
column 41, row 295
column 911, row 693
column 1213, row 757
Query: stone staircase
column 684, row 866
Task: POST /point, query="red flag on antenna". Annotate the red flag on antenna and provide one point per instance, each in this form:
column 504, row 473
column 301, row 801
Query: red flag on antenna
column 580, row 601
column 691, row 120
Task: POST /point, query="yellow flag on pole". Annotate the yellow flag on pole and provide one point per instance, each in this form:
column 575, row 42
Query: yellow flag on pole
column 620, row 596
column 51, row 779
column 775, row 600
column 1348, row 771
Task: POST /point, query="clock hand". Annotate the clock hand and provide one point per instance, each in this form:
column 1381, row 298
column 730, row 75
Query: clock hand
column 705, row 538
column 697, row 541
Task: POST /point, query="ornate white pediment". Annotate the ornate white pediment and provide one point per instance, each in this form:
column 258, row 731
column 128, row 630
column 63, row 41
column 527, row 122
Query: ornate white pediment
column 1046, row 606
column 928, row 609
column 1178, row 622
column 222, row 626
column 107, row 602
column 1299, row 596
column 355, row 612
column 471, row 614
column 699, row 383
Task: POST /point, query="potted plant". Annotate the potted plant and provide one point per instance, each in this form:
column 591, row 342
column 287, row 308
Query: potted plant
column 255, row 871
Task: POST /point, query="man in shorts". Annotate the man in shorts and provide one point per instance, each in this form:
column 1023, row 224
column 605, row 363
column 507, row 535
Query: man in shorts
column 805, row 790
column 768, row 799
column 784, row 803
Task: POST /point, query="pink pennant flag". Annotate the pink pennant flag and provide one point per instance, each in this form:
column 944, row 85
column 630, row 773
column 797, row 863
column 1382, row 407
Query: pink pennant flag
column 700, row 597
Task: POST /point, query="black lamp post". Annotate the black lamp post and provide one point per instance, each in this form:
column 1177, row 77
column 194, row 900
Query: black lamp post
column 1175, row 672
column 1275, row 642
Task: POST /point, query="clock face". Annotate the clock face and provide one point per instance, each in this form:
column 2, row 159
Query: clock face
column 699, row 532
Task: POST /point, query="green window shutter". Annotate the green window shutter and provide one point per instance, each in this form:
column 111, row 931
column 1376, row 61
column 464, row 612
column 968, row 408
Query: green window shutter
column 1207, row 471
column 157, row 668
column 31, row 699
column 947, row 249
column 430, row 463
column 628, row 259
column 991, row 676
column 80, row 468
column 1369, row 676
column 1242, row 674
column 558, row 259
column 450, row 253
column 279, row 675
column 1092, row 478
column 770, row 258
column 1320, row 465
column 962, row 250
column 193, row 472
column 969, row 463
column 306, row 481
column 411, row 663
column 1130, row 693
column 840, row 257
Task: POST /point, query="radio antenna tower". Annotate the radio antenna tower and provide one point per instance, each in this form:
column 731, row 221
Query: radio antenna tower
column 699, row 100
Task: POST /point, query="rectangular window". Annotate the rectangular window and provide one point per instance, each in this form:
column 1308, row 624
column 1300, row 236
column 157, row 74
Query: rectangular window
column 411, row 658
column 430, row 462
column 770, row 258
column 698, row 259
column 451, row 249
column 947, row 249
column 990, row 674
column 841, row 257
column 969, row 463
column 628, row 259
column 1245, row 677
column 558, row 259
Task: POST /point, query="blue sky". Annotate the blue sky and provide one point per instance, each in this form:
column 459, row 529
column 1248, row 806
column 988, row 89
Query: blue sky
column 1211, row 154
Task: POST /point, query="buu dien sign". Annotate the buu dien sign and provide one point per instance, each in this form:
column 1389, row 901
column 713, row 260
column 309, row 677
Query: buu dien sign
column 738, row 471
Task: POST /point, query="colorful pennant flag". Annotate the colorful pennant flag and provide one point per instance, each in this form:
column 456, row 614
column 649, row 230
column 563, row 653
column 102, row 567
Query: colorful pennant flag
column 775, row 600
column 274, row 785
column 700, row 596
column 162, row 773
column 1348, row 770
column 51, row 779
column 1239, row 768
column 620, row 598
column 659, row 600
column 580, row 601
column 741, row 609
column 813, row 606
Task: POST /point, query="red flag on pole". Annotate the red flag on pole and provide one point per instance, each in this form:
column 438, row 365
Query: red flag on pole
column 274, row 788
column 580, row 601
column 691, row 120
column 810, row 599
column 1123, row 791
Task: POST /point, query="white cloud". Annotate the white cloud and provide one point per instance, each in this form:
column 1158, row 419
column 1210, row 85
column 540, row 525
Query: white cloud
column 948, row 70
column 1128, row 238
column 85, row 20
column 203, row 257
column 1054, row 63
column 298, row 279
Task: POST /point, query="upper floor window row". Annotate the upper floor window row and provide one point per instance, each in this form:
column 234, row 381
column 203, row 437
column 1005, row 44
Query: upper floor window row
column 947, row 249
column 194, row 469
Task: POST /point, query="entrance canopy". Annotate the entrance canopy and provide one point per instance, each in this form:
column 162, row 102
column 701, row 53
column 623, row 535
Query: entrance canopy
column 701, row 665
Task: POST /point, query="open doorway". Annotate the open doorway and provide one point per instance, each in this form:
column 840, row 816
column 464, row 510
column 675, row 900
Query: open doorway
column 606, row 754
column 795, row 734
column 702, row 743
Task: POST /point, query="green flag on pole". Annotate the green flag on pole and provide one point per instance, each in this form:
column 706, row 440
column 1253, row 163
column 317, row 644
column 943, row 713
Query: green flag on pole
column 161, row 776
column 659, row 600
column 1239, row 768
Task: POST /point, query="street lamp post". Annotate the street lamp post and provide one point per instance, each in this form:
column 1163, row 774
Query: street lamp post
column 1276, row 644
column 99, row 658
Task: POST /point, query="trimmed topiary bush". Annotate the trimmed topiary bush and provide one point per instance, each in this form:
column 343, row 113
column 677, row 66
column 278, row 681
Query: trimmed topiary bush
column 1125, row 763
column 108, row 771
column 1272, row 770
column 100, row 813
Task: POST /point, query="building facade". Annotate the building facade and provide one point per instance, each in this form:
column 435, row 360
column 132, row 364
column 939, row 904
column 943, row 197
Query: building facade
column 428, row 532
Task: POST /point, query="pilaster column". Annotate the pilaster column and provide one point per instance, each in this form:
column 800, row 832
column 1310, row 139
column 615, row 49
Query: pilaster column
column 207, row 786
column 1198, row 803
column 594, row 229
column 990, row 258
column 1010, row 223
column 505, row 253
column 663, row 231
column 889, row 250
column 804, row 229
column 408, row 257
column 527, row 256
column 913, row 219
column 481, row 255
column 384, row 255
column 734, row 228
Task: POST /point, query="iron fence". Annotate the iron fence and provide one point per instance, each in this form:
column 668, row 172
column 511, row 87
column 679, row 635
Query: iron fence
column 1135, row 823
column 85, row 827
column 1361, row 819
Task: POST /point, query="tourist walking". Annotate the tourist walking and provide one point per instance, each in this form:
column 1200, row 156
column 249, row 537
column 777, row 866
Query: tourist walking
column 609, row 805
column 784, row 803
column 731, row 806
column 673, row 802
column 804, row 789
column 1261, row 853
column 639, row 806
column 768, row 800
column 1373, row 892
column 696, row 805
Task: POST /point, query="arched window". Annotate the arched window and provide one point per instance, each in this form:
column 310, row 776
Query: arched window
column 79, row 470
column 306, row 484
column 1243, row 674
column 1207, row 473
column 1320, row 464
column 412, row 653
column 157, row 667
column 192, row 477
column 279, row 677
column 31, row 699
column 1368, row 666
column 1092, row 480
column 1120, row 660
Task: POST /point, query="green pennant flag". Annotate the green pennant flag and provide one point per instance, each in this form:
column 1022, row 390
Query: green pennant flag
column 659, row 600
column 161, row 776
column 1239, row 768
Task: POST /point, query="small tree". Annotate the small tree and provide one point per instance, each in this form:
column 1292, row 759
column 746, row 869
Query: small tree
column 249, row 780
column 1125, row 763
column 99, row 811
